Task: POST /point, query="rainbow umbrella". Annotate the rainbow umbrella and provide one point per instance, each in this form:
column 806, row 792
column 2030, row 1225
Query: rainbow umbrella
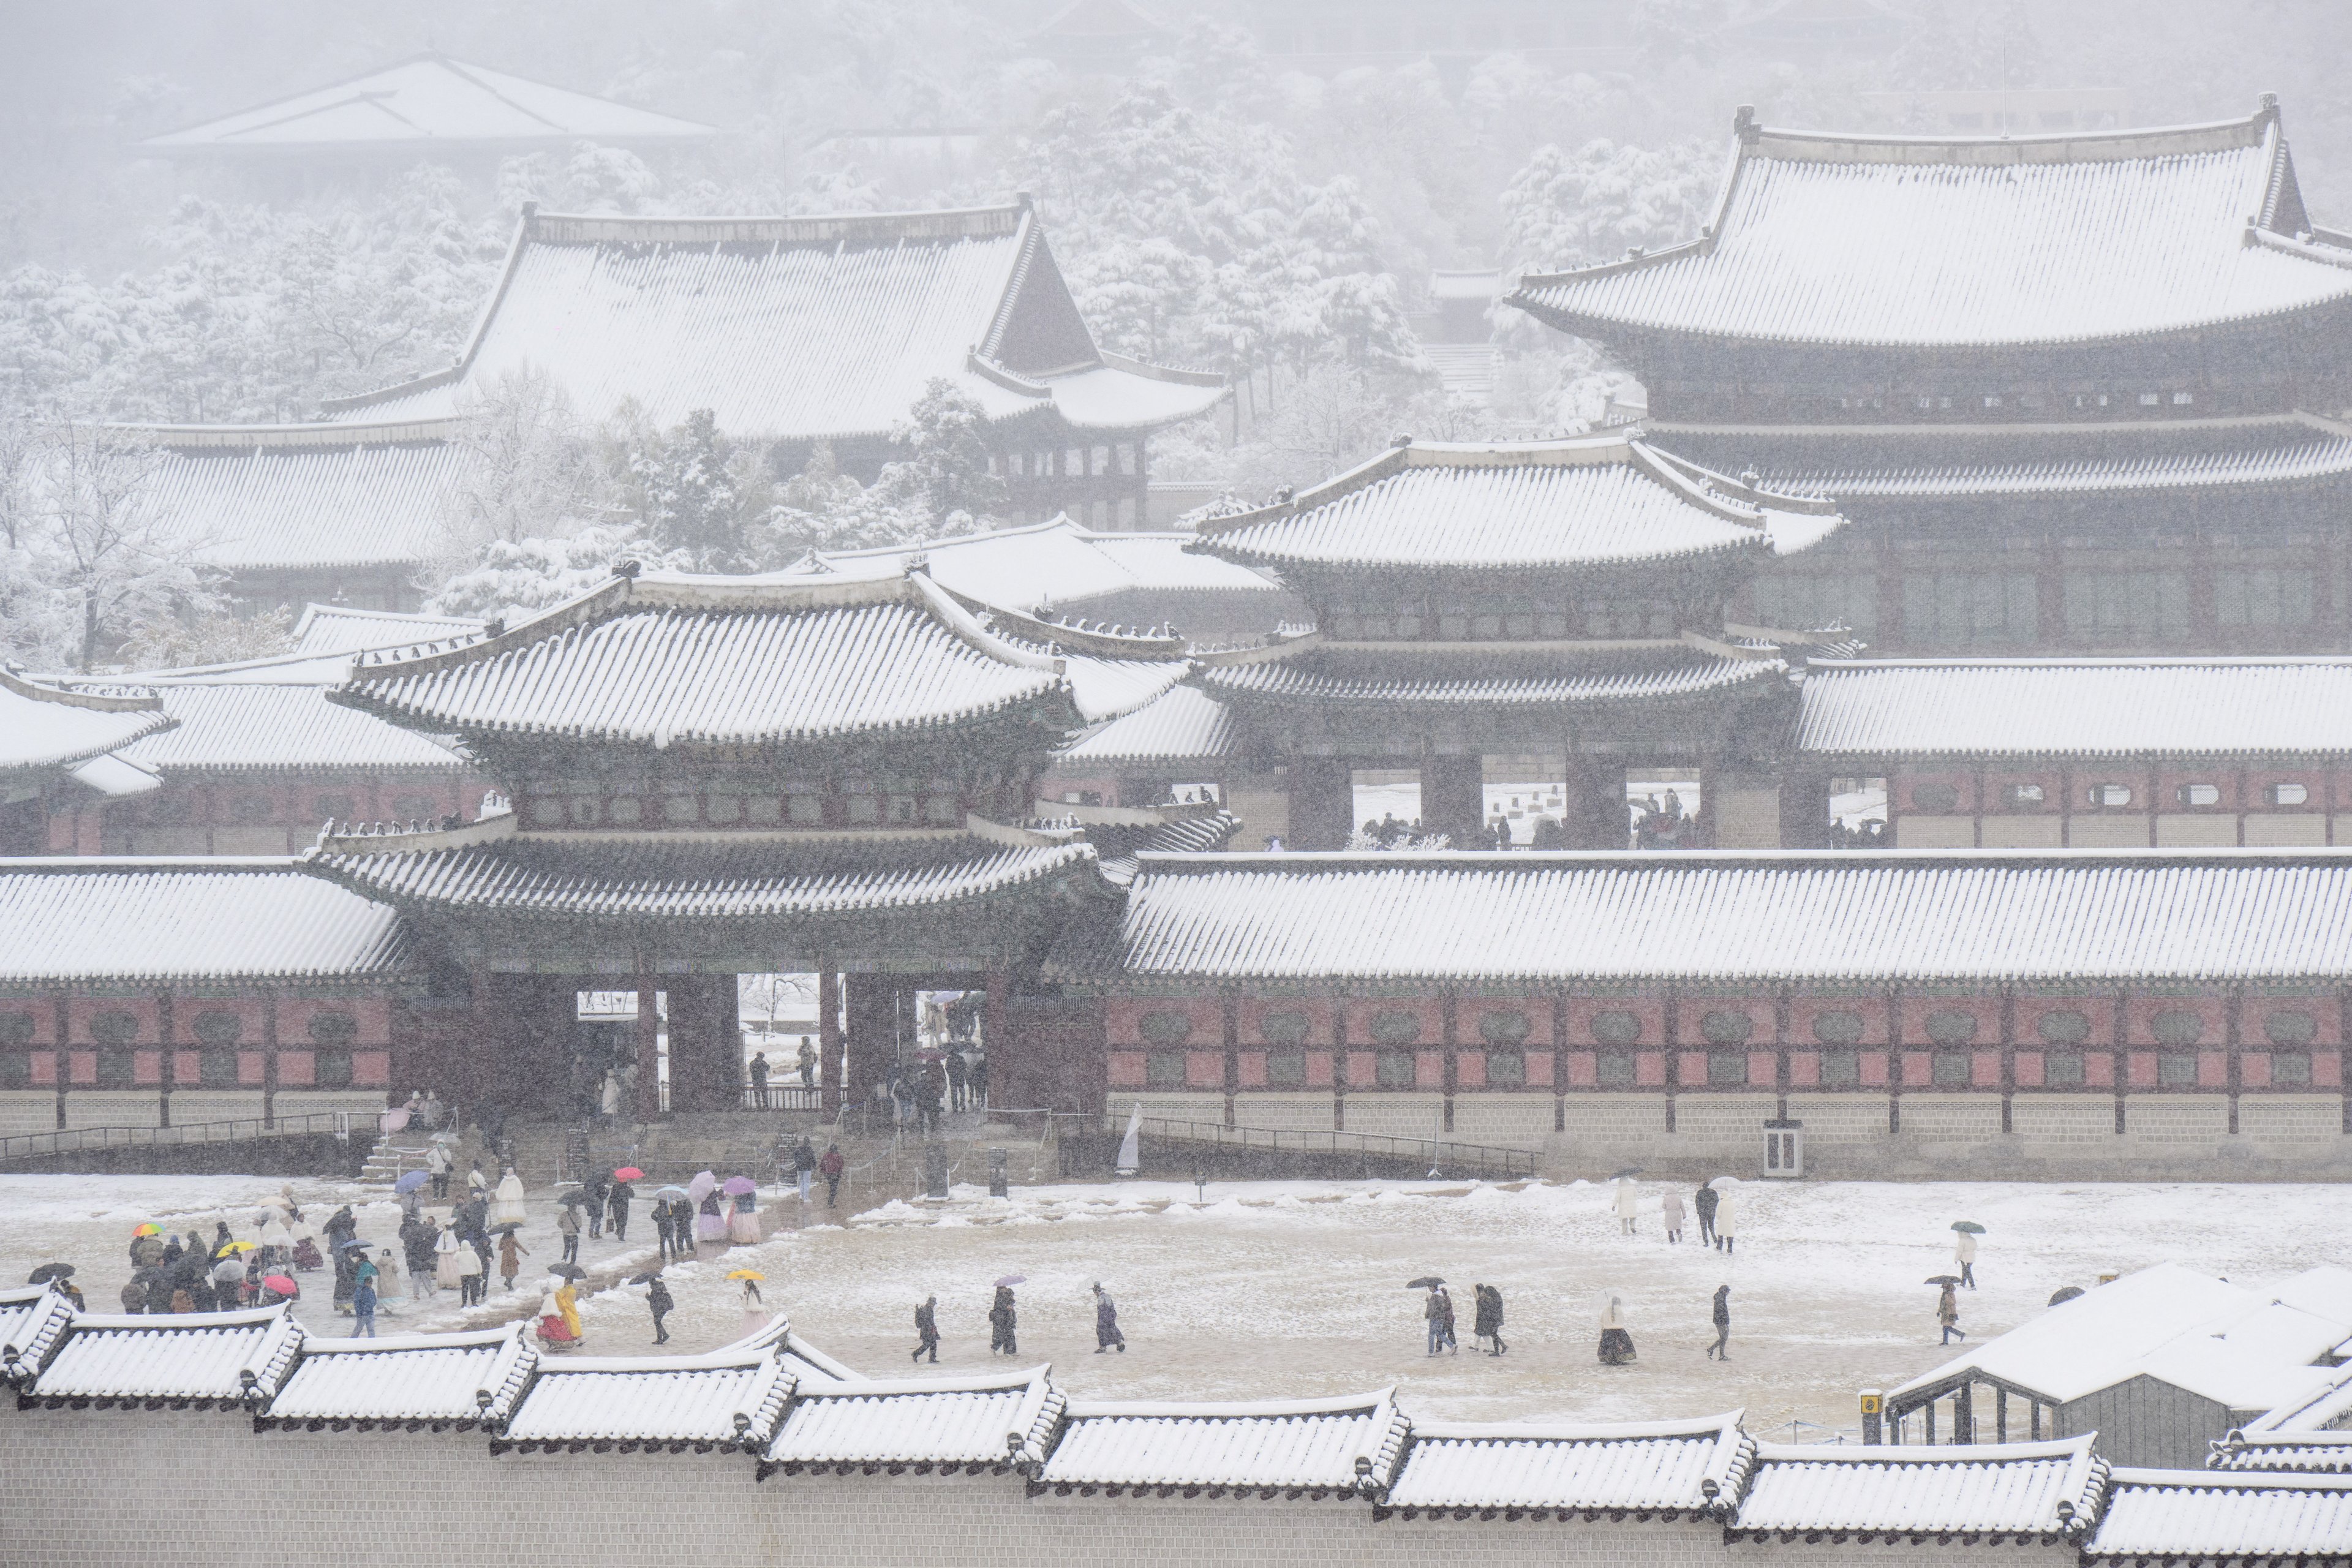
column 150, row 1228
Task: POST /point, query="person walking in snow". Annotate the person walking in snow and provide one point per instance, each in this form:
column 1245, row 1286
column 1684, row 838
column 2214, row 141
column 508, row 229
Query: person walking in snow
column 363, row 1302
column 1616, row 1339
column 658, row 1297
column 1721, row 1349
column 512, row 1252
column 508, row 1209
column 1670, row 1209
column 830, row 1168
column 1446, row 1320
column 618, row 1202
column 1726, row 1221
column 436, row 1165
column 567, row 1225
column 1626, row 1206
column 1705, row 1201
column 1106, row 1332
column 927, row 1329
column 1964, row 1252
column 1948, row 1313
column 1489, row 1322
column 804, row 1167
column 1004, row 1320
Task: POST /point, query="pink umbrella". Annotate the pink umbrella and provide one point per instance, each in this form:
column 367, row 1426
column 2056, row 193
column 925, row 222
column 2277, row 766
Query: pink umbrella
column 699, row 1188
column 737, row 1186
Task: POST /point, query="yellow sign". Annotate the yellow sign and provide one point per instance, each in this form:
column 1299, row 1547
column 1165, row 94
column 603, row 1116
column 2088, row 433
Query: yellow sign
column 1872, row 1403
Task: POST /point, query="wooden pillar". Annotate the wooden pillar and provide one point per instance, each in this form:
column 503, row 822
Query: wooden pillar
column 1592, row 814
column 997, row 1033
column 828, row 1028
column 1322, row 803
column 269, row 1056
column 1229, row 1010
column 2001, row 1414
column 164, row 1084
column 1339, row 1061
column 1448, row 1009
column 648, row 1048
column 1454, row 798
column 871, row 1039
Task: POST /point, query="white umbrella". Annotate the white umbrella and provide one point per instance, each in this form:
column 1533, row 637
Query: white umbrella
column 1724, row 1184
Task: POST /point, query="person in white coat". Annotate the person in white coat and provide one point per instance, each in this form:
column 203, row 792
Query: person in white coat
column 1670, row 1209
column 1727, row 1220
column 506, row 1205
column 1626, row 1205
column 1964, row 1252
column 448, row 1268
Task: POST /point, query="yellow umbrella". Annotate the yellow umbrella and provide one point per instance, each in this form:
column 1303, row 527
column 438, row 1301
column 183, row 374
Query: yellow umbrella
column 747, row 1274
column 242, row 1247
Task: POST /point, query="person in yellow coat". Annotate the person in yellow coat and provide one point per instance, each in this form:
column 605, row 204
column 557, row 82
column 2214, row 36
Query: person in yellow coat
column 567, row 1301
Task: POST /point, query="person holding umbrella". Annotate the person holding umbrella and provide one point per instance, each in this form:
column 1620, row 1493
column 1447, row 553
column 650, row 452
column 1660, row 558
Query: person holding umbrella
column 1106, row 1332
column 1433, row 1310
column 743, row 1218
column 1964, row 1250
column 926, row 1330
column 555, row 1325
column 1948, row 1307
column 755, row 1314
column 658, row 1297
column 619, row 1201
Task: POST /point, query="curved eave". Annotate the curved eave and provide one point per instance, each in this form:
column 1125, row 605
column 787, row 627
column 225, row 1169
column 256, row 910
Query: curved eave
column 1728, row 552
column 1729, row 677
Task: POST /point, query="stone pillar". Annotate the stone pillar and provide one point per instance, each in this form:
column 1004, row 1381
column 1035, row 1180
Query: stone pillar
column 828, row 1030
column 1322, row 803
column 1454, row 798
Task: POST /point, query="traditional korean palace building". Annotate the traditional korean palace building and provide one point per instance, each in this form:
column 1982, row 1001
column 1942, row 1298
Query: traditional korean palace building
column 770, row 1451
column 2075, row 392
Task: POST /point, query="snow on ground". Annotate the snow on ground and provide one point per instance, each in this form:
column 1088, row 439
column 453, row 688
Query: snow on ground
column 1274, row 1290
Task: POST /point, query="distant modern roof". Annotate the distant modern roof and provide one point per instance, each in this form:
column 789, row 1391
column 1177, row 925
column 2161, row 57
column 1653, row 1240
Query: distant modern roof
column 440, row 1380
column 214, row 1358
column 1338, row 1448
column 1858, row 240
column 336, row 628
column 1383, row 677
column 727, row 1399
column 1183, row 724
column 91, row 918
column 798, row 328
column 1740, row 916
column 687, row 878
column 1004, row 1420
column 2046, row 1490
column 1700, row 1467
column 48, row 724
column 251, row 498
column 2185, row 1516
column 2077, row 708
column 663, row 659
column 1861, row 464
column 2242, row 1349
column 250, row 728
column 428, row 104
column 1590, row 501
column 1059, row 568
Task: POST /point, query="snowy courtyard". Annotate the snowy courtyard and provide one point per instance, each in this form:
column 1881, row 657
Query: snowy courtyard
column 1299, row 1288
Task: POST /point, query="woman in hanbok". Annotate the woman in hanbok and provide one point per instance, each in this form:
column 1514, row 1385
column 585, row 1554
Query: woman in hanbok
column 448, row 1267
column 506, row 1207
column 710, row 1225
column 743, row 1224
column 1616, row 1344
column 755, row 1315
column 554, row 1326
column 567, row 1302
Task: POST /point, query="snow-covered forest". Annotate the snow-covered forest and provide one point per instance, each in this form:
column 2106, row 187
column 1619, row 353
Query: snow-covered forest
column 1218, row 201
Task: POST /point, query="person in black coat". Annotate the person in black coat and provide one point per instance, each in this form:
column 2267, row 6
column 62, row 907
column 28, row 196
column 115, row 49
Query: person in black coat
column 664, row 1244
column 1721, row 1349
column 1002, row 1322
column 1107, row 1334
column 1489, row 1320
column 618, row 1202
column 927, row 1329
column 658, row 1297
column 1703, row 1200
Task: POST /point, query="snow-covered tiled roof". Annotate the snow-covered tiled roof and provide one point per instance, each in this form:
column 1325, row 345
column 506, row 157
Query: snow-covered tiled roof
column 91, row 918
column 1382, row 675
column 665, row 658
column 47, row 724
column 217, row 1358
column 1864, row 463
column 1105, row 688
column 1058, row 566
column 1590, row 501
column 730, row 1398
column 261, row 497
column 2243, row 1349
column 1347, row 1447
column 1183, row 724
column 2325, row 1409
column 2077, row 708
column 336, row 628
column 688, row 878
column 810, row 1366
column 799, row 328
column 1122, row 847
column 1909, row 241
column 252, row 728
column 1698, row 1467
column 2191, row 1516
column 2046, row 1490
column 2307, row 1451
column 1004, row 1420
column 1972, row 915
column 441, row 1380
column 426, row 105
column 33, row 1321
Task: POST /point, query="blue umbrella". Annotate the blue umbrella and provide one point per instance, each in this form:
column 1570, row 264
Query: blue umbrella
column 410, row 1183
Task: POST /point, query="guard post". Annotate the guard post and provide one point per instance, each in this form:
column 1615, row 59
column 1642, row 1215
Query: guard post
column 1873, row 1408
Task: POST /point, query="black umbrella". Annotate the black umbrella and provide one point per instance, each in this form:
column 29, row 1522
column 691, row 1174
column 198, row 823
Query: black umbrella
column 1426, row 1282
column 647, row 1277
column 355, row 1241
column 49, row 1271
column 1943, row 1279
column 2065, row 1294
column 578, row 1197
column 569, row 1271
column 506, row 1227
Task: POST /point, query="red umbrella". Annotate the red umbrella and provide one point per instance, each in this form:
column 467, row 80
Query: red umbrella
column 628, row 1174
column 283, row 1284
